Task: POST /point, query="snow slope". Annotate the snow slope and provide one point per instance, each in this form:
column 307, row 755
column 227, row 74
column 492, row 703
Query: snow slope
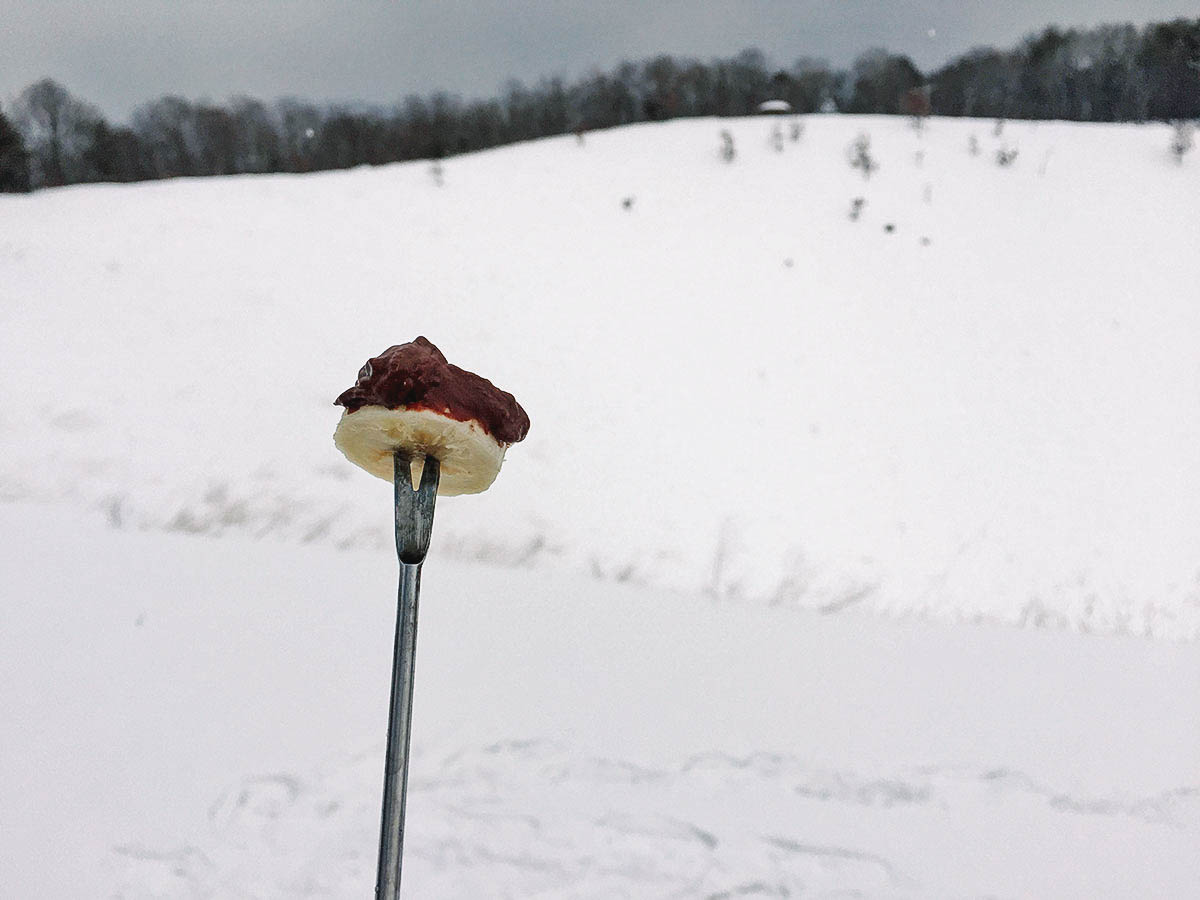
column 733, row 387
column 196, row 718
column 651, row 662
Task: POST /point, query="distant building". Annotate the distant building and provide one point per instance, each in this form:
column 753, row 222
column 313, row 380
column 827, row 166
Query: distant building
column 774, row 108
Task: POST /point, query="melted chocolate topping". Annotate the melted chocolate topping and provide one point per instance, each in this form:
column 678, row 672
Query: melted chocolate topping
column 417, row 376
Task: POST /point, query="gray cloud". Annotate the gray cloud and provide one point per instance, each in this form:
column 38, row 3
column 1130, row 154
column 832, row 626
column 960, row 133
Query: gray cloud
column 123, row 52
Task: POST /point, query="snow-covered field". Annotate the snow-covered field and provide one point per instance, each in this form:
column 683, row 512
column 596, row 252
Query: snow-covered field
column 197, row 718
column 750, row 413
column 1003, row 422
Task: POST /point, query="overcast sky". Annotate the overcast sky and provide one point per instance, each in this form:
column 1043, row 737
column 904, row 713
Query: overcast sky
column 119, row 53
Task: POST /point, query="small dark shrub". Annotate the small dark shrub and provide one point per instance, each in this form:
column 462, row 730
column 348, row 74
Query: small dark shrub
column 1181, row 139
column 860, row 156
column 727, row 151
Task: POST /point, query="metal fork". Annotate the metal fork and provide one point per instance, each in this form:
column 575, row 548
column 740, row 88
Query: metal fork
column 414, row 522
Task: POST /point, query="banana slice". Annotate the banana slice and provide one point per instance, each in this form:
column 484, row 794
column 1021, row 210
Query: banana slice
column 469, row 456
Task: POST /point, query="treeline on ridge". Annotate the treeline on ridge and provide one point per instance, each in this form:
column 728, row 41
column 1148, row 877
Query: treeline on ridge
column 1112, row 73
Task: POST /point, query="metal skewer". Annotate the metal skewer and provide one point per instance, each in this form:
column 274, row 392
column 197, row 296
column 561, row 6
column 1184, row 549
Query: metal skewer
column 414, row 522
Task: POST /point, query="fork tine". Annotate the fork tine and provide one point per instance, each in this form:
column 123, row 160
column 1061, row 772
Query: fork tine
column 414, row 507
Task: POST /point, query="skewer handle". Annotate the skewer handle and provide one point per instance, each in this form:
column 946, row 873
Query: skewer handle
column 414, row 522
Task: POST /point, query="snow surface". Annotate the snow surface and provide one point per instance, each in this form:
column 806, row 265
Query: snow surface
column 733, row 387
column 204, row 718
column 651, row 662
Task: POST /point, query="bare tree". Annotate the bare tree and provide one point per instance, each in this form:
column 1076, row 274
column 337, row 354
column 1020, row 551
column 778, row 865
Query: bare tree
column 167, row 128
column 881, row 81
column 216, row 140
column 57, row 128
column 14, row 161
column 257, row 139
column 299, row 126
column 115, row 154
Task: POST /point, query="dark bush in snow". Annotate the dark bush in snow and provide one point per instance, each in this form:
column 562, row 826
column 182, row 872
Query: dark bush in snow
column 860, row 156
column 727, row 151
column 777, row 138
column 1006, row 156
column 1181, row 139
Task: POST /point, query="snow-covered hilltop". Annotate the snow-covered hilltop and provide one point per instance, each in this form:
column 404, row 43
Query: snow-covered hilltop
column 976, row 399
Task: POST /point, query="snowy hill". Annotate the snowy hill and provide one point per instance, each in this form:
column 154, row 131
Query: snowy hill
column 651, row 660
column 990, row 410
